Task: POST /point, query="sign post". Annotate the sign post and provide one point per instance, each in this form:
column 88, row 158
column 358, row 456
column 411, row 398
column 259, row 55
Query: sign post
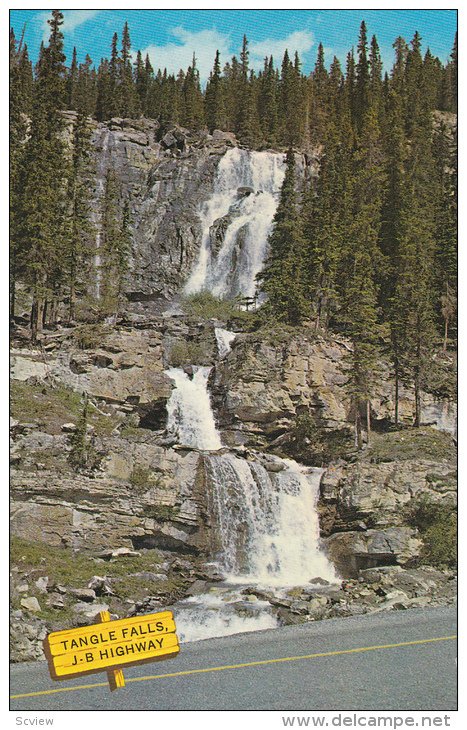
column 111, row 645
column 115, row 676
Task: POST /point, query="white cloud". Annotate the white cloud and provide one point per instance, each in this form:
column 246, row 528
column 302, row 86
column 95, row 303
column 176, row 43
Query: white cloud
column 179, row 54
column 300, row 41
column 72, row 19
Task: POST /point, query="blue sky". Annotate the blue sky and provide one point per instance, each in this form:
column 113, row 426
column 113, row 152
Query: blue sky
column 171, row 36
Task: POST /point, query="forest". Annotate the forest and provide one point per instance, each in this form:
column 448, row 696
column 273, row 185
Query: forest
column 369, row 250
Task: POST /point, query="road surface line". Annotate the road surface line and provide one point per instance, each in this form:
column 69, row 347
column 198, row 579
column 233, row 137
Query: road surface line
column 258, row 663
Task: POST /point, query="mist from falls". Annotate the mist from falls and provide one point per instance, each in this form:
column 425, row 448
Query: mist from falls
column 236, row 221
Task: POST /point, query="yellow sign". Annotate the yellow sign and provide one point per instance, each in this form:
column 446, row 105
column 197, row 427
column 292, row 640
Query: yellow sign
column 111, row 645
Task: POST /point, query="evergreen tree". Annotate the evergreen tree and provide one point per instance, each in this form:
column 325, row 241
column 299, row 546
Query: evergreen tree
column 267, row 103
column 42, row 203
column 376, row 80
column 283, row 277
column 445, row 158
column 86, row 88
column 214, row 98
column 104, row 100
column 362, row 83
column 193, row 105
column 79, row 236
column 358, row 291
column 114, row 100
column 412, row 316
column 72, row 81
column 21, row 84
column 129, row 101
column 115, row 245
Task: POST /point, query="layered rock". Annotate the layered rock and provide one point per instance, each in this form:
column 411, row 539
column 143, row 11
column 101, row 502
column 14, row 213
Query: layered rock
column 270, row 378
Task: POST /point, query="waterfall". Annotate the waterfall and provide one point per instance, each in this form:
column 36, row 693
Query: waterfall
column 267, row 522
column 224, row 340
column 101, row 172
column 190, row 417
column 265, row 527
column 236, row 221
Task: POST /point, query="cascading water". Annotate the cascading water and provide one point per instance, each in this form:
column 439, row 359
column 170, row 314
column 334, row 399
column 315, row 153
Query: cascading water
column 224, row 340
column 190, row 417
column 236, row 222
column 101, row 172
column 265, row 522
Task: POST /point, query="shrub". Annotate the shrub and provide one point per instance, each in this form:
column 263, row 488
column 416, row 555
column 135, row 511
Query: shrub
column 206, row 305
column 90, row 336
column 437, row 523
column 312, row 444
column 140, row 478
column 186, row 353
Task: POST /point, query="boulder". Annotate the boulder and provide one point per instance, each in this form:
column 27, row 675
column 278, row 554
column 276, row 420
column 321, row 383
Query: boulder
column 31, row 604
column 353, row 551
column 83, row 594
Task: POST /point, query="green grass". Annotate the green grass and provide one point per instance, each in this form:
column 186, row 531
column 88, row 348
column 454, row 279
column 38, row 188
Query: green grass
column 412, row 443
column 75, row 569
column 206, row 306
column 51, row 407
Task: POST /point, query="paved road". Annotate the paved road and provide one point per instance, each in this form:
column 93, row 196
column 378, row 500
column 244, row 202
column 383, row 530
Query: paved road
column 404, row 660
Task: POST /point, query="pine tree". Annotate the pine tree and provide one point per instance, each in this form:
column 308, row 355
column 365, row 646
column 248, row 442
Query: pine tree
column 283, row 277
column 114, row 98
column 86, row 88
column 249, row 130
column 129, row 100
column 362, row 78
column 214, row 98
column 376, row 80
column 104, row 100
column 359, row 310
column 42, row 202
column 445, row 158
column 412, row 316
column 21, row 84
column 326, row 219
column 193, row 105
column 320, row 97
column 71, row 81
column 115, row 245
column 79, row 236
column 267, row 103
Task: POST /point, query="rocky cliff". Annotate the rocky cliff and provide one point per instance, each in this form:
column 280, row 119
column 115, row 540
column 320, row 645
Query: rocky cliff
column 110, row 511
column 141, row 503
column 168, row 174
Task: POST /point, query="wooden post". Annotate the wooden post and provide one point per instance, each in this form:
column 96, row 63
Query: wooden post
column 114, row 676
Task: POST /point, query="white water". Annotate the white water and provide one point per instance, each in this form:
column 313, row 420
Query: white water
column 224, row 340
column 102, row 166
column 214, row 614
column 233, row 268
column 267, row 522
column 190, row 416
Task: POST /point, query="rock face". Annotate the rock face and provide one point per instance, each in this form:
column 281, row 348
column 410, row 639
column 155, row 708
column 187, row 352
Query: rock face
column 166, row 176
column 266, row 381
